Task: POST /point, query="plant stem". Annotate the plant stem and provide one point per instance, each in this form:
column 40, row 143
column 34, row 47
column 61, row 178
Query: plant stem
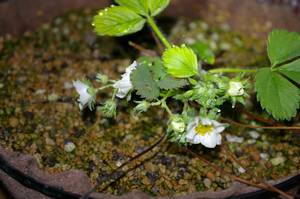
column 260, row 127
column 104, row 87
column 232, row 70
column 157, row 31
column 165, row 106
column 134, row 158
column 236, row 178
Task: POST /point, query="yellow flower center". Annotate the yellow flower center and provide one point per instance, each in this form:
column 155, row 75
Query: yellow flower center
column 203, row 129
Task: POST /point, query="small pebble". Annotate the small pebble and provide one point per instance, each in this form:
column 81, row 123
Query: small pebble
column 233, row 138
column 225, row 46
column 68, row 85
column 241, row 170
column 252, row 141
column 278, row 160
column 49, row 141
column 207, row 182
column 254, row 134
column 69, row 147
column 40, row 91
column 52, row 97
column 118, row 163
column 264, row 156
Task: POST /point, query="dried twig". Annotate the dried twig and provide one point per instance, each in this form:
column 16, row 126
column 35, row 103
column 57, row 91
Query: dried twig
column 234, row 159
column 262, row 119
column 157, row 143
column 260, row 127
column 144, row 51
column 259, row 118
column 157, row 41
column 129, row 170
column 236, row 178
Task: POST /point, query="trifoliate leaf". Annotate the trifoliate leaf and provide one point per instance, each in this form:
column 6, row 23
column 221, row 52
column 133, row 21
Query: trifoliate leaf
column 138, row 6
column 204, row 52
column 156, row 6
column 276, row 94
column 117, row 21
column 143, row 82
column 291, row 70
column 283, row 46
column 180, row 62
column 171, row 83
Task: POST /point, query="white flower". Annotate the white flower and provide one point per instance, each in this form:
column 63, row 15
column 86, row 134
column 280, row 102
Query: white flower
column 206, row 131
column 235, row 88
column 124, row 85
column 85, row 97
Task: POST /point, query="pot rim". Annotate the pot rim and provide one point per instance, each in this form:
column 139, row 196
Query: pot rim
column 36, row 183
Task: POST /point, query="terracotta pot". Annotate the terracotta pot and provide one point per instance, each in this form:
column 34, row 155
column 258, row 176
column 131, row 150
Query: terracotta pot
column 18, row 16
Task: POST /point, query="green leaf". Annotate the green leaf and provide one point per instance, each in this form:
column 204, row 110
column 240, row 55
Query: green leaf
column 117, row 21
column 156, row 6
column 138, row 6
column 276, row 94
column 291, row 70
column 283, row 46
column 145, row 7
column 204, row 52
column 156, row 66
column 171, row 83
column 160, row 75
column 180, row 62
column 143, row 82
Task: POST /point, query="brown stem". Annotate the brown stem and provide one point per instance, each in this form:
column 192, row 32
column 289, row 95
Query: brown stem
column 157, row 143
column 260, row 127
column 236, row 178
column 262, row 119
column 157, row 41
column 259, row 118
column 129, row 170
column 233, row 158
column 144, row 51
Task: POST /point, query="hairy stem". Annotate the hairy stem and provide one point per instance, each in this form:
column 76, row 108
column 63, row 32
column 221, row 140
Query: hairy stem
column 157, row 31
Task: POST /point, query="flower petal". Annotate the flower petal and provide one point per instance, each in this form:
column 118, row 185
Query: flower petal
column 197, row 139
column 124, row 85
column 206, row 121
column 210, row 140
column 219, row 129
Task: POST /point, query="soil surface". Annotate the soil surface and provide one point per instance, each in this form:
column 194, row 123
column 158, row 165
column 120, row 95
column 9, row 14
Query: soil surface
column 39, row 115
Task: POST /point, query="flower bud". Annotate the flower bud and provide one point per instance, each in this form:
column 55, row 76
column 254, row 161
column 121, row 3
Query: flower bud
column 236, row 88
column 142, row 106
column 102, row 78
column 109, row 109
column 177, row 124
